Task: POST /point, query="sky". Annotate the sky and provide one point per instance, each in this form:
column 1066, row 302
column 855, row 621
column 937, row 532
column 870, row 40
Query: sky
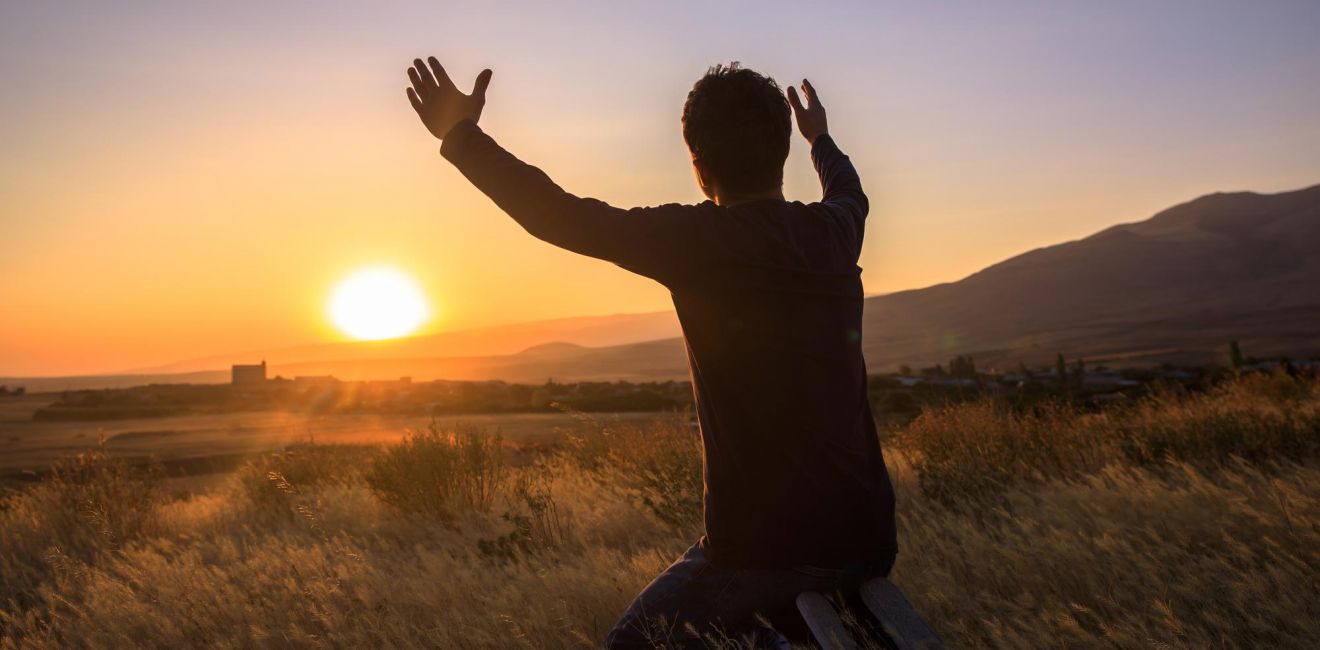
column 184, row 179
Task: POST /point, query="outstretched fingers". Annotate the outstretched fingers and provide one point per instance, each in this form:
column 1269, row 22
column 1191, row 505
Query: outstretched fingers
column 810, row 91
column 442, row 79
column 793, row 100
column 438, row 102
column 428, row 82
column 483, row 82
column 420, row 86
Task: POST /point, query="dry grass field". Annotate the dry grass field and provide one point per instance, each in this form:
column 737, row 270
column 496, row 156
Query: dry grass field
column 1178, row 521
column 28, row 445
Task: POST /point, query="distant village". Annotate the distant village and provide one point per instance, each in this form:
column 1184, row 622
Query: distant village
column 896, row 396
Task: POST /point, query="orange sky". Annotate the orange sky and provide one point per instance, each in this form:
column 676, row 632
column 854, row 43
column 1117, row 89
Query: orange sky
column 178, row 182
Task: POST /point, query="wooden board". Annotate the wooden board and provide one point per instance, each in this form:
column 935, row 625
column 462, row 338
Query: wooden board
column 824, row 622
column 901, row 621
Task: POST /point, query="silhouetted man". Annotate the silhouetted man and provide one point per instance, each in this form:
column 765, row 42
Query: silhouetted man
column 769, row 295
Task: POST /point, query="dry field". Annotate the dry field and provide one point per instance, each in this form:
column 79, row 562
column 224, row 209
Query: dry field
column 27, row 445
column 1181, row 521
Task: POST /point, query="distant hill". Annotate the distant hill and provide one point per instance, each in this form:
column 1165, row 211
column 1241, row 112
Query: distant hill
column 1176, row 287
column 588, row 331
column 650, row 361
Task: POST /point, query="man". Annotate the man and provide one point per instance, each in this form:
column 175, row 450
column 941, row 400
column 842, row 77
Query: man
column 769, row 296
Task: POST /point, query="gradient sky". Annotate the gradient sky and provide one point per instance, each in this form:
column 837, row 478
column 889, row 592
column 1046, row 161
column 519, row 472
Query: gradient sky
column 184, row 179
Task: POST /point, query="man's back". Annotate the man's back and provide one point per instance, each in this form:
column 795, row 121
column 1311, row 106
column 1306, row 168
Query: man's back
column 794, row 473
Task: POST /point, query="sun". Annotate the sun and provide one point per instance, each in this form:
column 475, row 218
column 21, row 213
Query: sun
column 378, row 303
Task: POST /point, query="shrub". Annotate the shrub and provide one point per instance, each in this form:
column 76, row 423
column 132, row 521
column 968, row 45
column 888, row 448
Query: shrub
column 269, row 480
column 437, row 473
column 533, row 513
column 979, row 449
column 658, row 464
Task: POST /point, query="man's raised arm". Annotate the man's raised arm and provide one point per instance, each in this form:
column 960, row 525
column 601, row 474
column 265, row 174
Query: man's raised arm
column 661, row 242
column 839, row 182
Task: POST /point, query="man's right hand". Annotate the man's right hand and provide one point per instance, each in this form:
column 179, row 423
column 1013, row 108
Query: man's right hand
column 811, row 118
column 439, row 102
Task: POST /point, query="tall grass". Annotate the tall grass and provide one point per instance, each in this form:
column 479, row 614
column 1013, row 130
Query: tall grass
column 977, row 450
column 1124, row 528
column 658, row 464
column 1259, row 418
column 90, row 506
column 435, row 472
column 270, row 482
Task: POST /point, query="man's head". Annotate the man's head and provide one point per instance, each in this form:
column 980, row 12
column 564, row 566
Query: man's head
column 737, row 126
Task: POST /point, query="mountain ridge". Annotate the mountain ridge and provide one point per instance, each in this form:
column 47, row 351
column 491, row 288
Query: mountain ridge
column 1177, row 286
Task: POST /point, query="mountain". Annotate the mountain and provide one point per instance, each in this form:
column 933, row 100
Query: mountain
column 1176, row 287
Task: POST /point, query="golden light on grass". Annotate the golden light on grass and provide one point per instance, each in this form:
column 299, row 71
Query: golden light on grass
column 1019, row 529
column 378, row 303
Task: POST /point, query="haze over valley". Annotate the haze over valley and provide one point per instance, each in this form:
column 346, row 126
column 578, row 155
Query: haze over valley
column 1177, row 287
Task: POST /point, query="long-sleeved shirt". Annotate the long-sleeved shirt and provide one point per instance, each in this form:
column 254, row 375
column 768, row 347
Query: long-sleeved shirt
column 769, row 296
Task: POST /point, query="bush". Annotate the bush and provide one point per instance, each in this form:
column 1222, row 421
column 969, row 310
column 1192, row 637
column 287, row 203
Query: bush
column 269, row 481
column 659, row 464
column 437, row 473
column 534, row 515
column 979, row 449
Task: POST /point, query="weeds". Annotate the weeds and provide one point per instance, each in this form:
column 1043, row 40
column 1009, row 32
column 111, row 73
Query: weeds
column 1179, row 521
column 658, row 464
column 976, row 451
column 1259, row 418
column 437, row 473
column 90, row 505
column 534, row 515
column 269, row 481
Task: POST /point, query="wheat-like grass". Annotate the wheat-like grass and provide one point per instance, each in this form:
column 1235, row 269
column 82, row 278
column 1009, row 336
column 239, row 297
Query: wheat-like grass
column 1062, row 528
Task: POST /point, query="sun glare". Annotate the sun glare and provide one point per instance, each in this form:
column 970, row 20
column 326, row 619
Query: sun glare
column 378, row 303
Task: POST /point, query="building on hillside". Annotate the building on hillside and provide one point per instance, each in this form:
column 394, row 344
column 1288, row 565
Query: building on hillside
column 249, row 375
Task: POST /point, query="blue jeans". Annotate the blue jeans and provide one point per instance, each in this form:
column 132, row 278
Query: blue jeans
column 693, row 600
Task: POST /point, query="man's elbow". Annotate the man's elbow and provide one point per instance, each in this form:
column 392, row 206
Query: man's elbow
column 863, row 205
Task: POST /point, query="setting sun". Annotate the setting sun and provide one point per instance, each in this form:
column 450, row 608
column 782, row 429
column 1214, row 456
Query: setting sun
column 378, row 303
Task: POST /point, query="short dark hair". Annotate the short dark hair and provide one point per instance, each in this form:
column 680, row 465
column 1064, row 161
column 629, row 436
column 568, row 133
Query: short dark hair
column 737, row 123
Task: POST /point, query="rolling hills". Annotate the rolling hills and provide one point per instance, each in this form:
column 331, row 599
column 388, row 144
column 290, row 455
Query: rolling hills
column 1176, row 287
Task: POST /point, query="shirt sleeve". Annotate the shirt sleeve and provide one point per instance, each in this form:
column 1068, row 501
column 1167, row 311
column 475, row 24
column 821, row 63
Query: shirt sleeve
column 841, row 188
column 664, row 242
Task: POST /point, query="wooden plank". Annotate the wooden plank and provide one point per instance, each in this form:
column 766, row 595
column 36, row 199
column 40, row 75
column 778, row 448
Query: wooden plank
column 900, row 620
column 824, row 622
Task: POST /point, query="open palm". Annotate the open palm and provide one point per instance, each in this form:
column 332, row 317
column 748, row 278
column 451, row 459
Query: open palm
column 440, row 103
column 811, row 117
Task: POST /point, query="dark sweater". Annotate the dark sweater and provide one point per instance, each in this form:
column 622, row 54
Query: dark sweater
column 769, row 295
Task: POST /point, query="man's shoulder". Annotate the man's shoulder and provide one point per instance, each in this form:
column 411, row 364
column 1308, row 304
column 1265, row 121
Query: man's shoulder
column 678, row 208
